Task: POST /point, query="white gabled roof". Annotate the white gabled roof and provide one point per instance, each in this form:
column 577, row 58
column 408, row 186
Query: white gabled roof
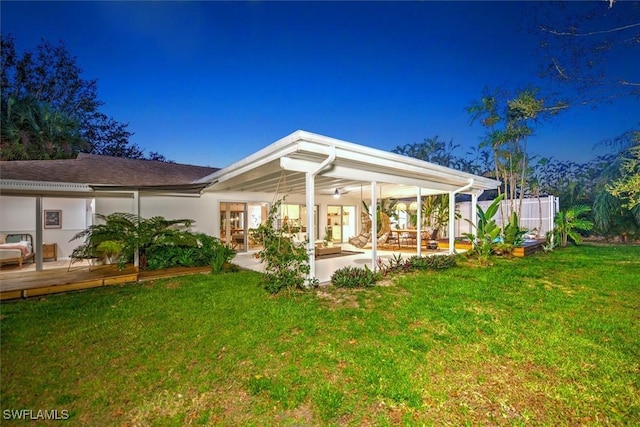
column 285, row 161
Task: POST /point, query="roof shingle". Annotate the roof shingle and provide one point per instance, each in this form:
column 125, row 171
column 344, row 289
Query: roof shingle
column 104, row 170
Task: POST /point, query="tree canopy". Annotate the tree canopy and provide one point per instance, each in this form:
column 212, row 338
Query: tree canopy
column 50, row 111
column 585, row 47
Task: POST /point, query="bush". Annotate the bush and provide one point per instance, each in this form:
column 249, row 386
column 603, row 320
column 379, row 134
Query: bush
column 213, row 252
column 286, row 263
column 504, row 249
column 440, row 262
column 353, row 277
column 208, row 250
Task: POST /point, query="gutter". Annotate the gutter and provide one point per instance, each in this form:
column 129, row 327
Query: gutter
column 326, row 162
column 310, row 201
column 452, row 214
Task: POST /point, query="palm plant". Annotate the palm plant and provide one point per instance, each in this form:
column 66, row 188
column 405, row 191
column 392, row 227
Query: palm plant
column 569, row 223
column 435, row 212
column 487, row 231
column 33, row 130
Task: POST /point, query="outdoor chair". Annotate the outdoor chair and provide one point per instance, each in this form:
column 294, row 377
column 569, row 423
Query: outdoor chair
column 430, row 238
column 80, row 254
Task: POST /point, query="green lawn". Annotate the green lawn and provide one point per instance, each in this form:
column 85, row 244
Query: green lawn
column 547, row 340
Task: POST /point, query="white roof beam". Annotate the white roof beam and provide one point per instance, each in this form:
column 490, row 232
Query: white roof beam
column 342, row 172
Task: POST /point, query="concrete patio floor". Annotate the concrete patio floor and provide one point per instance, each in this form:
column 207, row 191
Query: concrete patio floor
column 326, row 267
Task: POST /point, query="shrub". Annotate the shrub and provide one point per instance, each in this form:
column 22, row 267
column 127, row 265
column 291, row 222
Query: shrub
column 505, row 249
column 513, row 234
column 440, row 262
column 133, row 234
column 286, row 263
column 205, row 250
column 353, row 277
column 394, row 265
column 213, row 252
column 487, row 231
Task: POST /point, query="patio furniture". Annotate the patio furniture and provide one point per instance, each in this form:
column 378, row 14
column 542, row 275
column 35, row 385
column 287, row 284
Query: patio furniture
column 409, row 237
column 84, row 253
column 430, row 238
column 327, row 250
column 364, row 237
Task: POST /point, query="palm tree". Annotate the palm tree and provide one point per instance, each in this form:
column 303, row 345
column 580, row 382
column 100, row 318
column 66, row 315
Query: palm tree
column 33, row 130
column 569, row 222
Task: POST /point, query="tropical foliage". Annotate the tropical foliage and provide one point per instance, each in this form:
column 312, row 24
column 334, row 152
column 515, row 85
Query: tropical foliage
column 487, row 231
column 160, row 243
column 627, row 187
column 509, row 121
column 435, row 150
column 435, row 212
column 286, row 263
column 49, row 111
column 34, row 130
column 385, row 206
column 353, row 277
column 569, row 223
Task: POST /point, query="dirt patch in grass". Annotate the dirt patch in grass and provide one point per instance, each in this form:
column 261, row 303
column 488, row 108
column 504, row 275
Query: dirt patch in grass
column 229, row 406
column 339, row 298
column 386, row 282
column 302, row 416
column 499, row 391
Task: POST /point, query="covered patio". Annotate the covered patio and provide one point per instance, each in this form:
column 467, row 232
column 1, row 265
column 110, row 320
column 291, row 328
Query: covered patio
column 308, row 164
column 326, row 266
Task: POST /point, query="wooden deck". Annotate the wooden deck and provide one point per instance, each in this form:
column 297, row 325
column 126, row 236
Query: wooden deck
column 14, row 285
column 527, row 248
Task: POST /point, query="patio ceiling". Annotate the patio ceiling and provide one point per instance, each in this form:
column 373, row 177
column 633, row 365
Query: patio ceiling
column 280, row 168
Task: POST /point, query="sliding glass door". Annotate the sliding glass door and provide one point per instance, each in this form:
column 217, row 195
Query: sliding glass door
column 233, row 225
column 341, row 224
column 236, row 221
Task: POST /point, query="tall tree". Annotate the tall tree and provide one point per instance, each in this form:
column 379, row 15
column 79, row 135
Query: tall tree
column 627, row 187
column 588, row 47
column 437, row 151
column 50, row 77
column 615, row 207
column 509, row 122
column 33, row 130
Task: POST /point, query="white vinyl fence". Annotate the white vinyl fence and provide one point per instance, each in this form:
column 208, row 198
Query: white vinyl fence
column 536, row 216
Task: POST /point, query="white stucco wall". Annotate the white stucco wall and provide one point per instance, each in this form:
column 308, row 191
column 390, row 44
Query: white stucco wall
column 18, row 215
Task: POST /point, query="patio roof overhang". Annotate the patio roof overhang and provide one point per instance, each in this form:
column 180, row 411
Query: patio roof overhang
column 71, row 190
column 285, row 162
column 306, row 164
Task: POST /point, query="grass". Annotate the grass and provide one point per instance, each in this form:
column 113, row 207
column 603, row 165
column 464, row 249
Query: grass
column 552, row 339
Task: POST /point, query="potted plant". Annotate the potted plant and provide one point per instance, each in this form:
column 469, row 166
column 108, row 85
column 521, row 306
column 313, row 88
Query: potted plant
column 328, row 237
column 109, row 251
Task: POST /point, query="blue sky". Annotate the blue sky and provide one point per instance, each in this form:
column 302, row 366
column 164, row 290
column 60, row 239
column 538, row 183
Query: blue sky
column 209, row 83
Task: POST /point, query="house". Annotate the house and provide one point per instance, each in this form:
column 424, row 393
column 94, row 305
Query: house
column 309, row 169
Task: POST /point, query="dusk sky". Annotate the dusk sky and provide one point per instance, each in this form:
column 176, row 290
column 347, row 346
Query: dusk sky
column 209, row 83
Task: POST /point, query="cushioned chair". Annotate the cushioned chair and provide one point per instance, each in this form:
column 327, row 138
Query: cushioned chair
column 429, row 238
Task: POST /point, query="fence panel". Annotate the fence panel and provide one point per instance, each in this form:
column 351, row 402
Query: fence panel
column 536, row 216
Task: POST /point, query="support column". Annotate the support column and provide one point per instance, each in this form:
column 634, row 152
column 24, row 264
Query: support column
column 419, row 222
column 452, row 225
column 374, row 226
column 136, row 212
column 39, row 225
column 311, row 232
column 474, row 212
